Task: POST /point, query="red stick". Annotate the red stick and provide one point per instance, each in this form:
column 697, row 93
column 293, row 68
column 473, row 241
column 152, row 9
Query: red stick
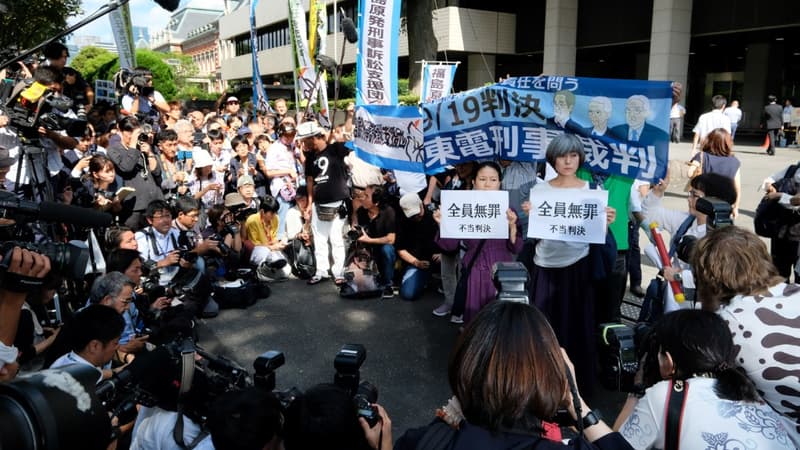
column 677, row 290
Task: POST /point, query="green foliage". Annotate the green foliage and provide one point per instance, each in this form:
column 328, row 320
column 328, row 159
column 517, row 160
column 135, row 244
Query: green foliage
column 27, row 23
column 194, row 91
column 170, row 70
column 90, row 61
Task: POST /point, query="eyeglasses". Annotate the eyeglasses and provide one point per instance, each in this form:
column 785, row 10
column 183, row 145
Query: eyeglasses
column 233, row 103
column 126, row 301
column 695, row 194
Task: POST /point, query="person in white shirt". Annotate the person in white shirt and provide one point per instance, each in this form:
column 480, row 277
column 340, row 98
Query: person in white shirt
column 693, row 351
column 734, row 114
column 94, row 334
column 710, row 121
column 149, row 102
column 676, row 122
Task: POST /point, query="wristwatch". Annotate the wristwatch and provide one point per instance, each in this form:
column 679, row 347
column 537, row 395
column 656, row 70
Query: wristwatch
column 590, row 419
column 677, row 276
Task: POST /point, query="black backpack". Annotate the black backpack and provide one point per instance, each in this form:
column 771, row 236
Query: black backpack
column 772, row 220
column 301, row 259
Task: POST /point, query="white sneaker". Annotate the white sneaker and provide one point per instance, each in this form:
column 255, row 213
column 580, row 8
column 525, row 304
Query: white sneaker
column 442, row 310
column 456, row 319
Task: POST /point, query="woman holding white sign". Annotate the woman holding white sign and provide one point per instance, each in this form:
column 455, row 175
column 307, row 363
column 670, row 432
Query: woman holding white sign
column 481, row 254
column 562, row 278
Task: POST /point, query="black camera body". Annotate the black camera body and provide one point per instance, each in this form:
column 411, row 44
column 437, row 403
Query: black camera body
column 66, row 259
column 719, row 212
column 619, row 360
column 511, row 281
column 32, row 105
column 348, row 377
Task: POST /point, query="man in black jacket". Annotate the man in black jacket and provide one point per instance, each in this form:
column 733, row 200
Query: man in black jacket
column 773, row 122
column 139, row 168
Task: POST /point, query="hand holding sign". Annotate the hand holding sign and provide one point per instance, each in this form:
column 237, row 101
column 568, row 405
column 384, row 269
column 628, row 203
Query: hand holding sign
column 573, row 215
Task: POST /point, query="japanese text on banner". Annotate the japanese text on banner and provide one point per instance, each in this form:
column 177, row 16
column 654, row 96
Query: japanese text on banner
column 474, row 214
column 622, row 123
column 376, row 67
column 573, row 215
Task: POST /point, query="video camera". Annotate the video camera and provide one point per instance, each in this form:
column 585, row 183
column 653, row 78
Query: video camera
column 134, row 82
column 31, row 105
column 17, row 217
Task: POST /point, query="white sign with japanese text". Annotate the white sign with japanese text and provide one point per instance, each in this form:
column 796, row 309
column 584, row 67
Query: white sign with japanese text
column 574, row 215
column 474, row 214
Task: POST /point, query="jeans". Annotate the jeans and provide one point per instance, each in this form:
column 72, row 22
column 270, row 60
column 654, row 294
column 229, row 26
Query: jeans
column 450, row 273
column 385, row 256
column 283, row 207
column 413, row 284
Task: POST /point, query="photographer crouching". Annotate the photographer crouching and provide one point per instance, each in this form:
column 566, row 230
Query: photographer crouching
column 176, row 265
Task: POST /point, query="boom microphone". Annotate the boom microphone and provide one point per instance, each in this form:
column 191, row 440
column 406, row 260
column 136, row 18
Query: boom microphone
column 349, row 28
column 327, row 63
column 11, row 207
column 169, row 5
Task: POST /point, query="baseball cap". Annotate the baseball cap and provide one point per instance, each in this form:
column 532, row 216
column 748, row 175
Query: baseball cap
column 243, row 180
column 308, row 129
column 234, row 199
column 244, row 130
column 5, row 159
column 231, row 99
column 201, row 158
column 411, row 204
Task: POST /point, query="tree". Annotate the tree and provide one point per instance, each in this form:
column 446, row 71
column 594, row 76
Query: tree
column 27, row 23
column 90, row 61
column 422, row 43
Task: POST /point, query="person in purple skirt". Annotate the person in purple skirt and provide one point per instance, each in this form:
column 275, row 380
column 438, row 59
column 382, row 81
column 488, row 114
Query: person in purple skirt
column 480, row 287
column 561, row 282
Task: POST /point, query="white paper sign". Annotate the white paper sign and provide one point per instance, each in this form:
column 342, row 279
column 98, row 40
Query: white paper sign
column 574, row 215
column 474, row 214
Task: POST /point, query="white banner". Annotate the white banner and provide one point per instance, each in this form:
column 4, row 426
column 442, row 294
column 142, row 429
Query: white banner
column 437, row 79
column 378, row 36
column 305, row 74
column 122, row 28
column 474, row 214
column 573, row 215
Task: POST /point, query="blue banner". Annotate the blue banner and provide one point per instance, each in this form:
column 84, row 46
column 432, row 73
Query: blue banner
column 260, row 100
column 389, row 137
column 623, row 123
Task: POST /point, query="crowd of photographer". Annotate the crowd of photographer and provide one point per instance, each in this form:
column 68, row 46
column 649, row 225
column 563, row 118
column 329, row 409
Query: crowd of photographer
column 210, row 207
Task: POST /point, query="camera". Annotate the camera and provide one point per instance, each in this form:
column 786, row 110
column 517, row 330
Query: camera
column 511, row 280
column 718, row 212
column 354, row 233
column 348, row 374
column 32, row 105
column 621, row 351
column 66, row 259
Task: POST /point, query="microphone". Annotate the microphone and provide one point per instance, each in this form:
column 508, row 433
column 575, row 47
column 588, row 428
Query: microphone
column 169, row 5
column 349, row 28
column 327, row 63
column 53, row 212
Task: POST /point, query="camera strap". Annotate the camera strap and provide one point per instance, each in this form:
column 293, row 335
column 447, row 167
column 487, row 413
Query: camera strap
column 177, row 433
column 676, row 401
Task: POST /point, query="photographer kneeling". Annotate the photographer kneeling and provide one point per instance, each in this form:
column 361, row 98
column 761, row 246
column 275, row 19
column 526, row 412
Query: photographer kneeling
column 159, row 246
column 692, row 381
column 509, row 376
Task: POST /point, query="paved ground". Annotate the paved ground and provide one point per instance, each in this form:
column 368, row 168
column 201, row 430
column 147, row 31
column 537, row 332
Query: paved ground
column 407, row 347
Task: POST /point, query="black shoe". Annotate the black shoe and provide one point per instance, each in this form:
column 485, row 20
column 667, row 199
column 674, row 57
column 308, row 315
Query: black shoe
column 637, row 291
column 388, row 292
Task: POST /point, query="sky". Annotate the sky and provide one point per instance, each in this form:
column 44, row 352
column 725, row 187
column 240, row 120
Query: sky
column 144, row 13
